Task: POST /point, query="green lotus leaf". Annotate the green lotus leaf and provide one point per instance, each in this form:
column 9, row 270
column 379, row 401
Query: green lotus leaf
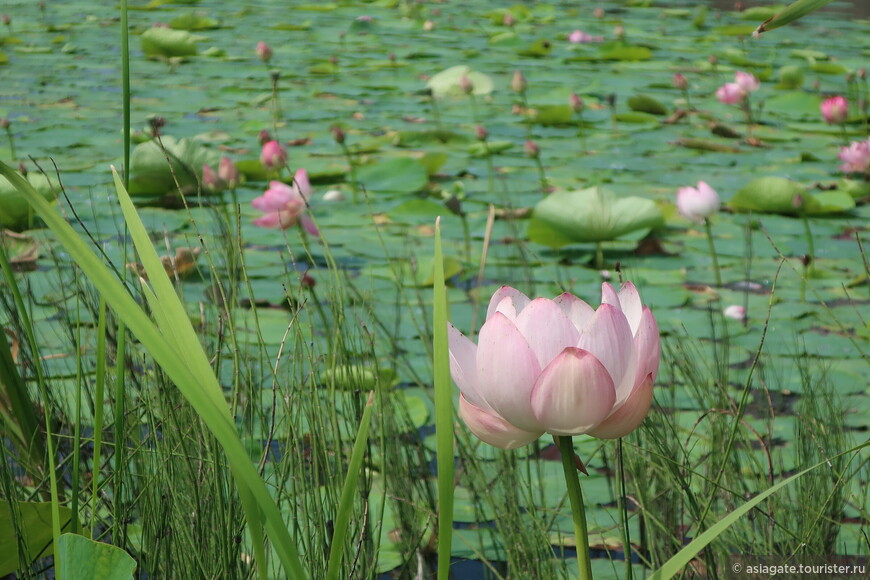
column 82, row 557
column 647, row 104
column 153, row 171
column 15, row 212
column 166, row 42
column 590, row 215
column 193, row 21
column 446, row 83
column 783, row 196
column 34, row 520
column 395, row 175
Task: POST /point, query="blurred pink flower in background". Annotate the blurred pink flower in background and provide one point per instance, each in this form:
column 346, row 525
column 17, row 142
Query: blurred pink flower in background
column 580, row 37
column 210, row 179
column 856, row 157
column 737, row 92
column 228, row 172
column 557, row 366
column 273, row 156
column 735, row 311
column 284, row 205
column 264, row 51
column 697, row 204
column 747, row 81
column 835, row 110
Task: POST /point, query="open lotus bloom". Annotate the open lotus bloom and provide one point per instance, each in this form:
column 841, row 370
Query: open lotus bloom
column 697, row 204
column 557, row 366
column 284, row 205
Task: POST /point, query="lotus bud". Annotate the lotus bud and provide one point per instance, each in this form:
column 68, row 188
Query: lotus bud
column 264, row 137
column 333, row 195
column 713, row 59
column 308, row 281
column 428, row 26
column 747, row 81
column 576, row 103
column 508, row 19
column 210, row 179
column 531, row 149
column 697, row 204
column 22, row 169
column 466, row 85
column 735, row 311
column 835, row 110
column 480, row 133
column 619, row 32
column 855, row 157
column 681, row 83
column 518, row 83
column 264, row 51
column 4, row 123
column 862, row 73
column 598, row 13
column 228, row 172
column 7, row 20
column 273, row 156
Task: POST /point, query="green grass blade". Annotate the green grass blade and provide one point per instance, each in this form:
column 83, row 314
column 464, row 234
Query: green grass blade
column 199, row 387
column 345, row 504
column 791, row 13
column 443, row 412
column 682, row 558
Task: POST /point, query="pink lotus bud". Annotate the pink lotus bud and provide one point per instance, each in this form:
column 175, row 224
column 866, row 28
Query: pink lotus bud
column 508, row 19
column 428, row 26
column 518, row 83
column 22, row 169
column 7, row 20
column 681, row 83
column 747, row 81
column 579, row 37
column 308, row 281
column 210, row 179
column 284, row 205
column 273, row 156
column 734, row 311
column 466, row 85
column 619, row 32
column 531, row 149
column 730, row 94
column 697, row 204
column 557, row 366
column 598, row 13
column 264, row 137
column 576, row 103
column 264, row 51
column 856, row 157
column 862, row 73
column 228, row 172
column 4, row 122
column 480, row 133
column 835, row 110
column 713, row 59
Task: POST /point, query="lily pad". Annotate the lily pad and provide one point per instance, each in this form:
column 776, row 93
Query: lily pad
column 34, row 519
column 647, row 104
column 395, row 175
column 590, row 215
column 784, row 196
column 446, row 83
column 82, row 557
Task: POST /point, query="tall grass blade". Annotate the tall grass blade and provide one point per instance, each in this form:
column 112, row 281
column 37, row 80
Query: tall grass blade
column 682, row 558
column 791, row 13
column 345, row 504
column 443, row 412
column 187, row 368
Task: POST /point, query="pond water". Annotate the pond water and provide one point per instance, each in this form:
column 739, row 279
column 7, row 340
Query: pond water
column 364, row 67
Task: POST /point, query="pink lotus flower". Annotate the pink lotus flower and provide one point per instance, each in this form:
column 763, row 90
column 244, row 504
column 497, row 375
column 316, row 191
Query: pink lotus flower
column 747, row 81
column 284, row 205
column 273, row 156
column 856, row 157
column 264, row 51
column 730, row 94
column 557, row 366
column 835, row 110
column 697, row 204
column 735, row 311
column 210, row 179
column 228, row 172
column 580, row 37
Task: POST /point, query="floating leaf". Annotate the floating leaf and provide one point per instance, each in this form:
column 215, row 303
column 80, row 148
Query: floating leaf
column 625, row 52
column 167, row 43
column 704, row 145
column 590, row 215
column 646, row 104
column 358, row 377
column 549, row 115
column 193, row 21
column 790, row 77
column 396, row 175
column 446, row 83
column 539, row 48
column 489, row 148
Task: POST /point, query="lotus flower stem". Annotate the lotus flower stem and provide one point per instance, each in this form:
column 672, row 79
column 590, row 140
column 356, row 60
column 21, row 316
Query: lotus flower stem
column 542, row 175
column 809, row 260
column 435, row 112
column 713, row 252
column 599, row 256
column 490, row 167
column 578, row 510
column 526, row 115
column 623, row 510
column 352, row 169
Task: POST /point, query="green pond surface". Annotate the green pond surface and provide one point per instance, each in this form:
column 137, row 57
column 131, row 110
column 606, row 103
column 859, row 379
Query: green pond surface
column 364, row 66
